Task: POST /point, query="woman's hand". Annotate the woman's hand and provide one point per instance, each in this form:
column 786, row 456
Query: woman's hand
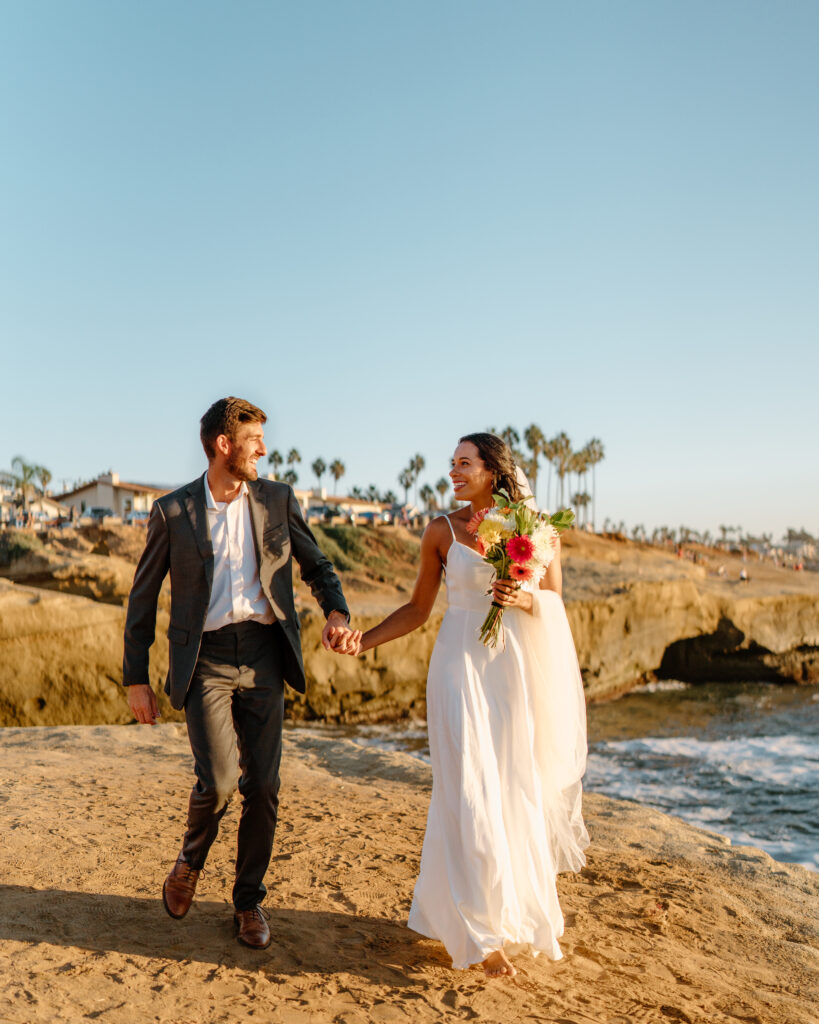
column 347, row 641
column 508, row 594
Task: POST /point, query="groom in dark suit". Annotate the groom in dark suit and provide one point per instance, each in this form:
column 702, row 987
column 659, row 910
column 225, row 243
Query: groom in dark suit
column 228, row 540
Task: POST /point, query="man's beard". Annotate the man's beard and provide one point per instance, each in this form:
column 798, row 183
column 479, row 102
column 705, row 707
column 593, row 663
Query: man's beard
column 239, row 471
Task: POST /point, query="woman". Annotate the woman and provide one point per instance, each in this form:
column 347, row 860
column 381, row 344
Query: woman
column 507, row 733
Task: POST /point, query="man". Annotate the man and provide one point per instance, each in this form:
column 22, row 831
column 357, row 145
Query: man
column 228, row 540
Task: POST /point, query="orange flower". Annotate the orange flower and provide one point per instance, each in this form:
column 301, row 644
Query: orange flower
column 520, row 573
column 475, row 521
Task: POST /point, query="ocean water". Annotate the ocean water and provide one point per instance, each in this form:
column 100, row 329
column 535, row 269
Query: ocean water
column 740, row 759
column 737, row 758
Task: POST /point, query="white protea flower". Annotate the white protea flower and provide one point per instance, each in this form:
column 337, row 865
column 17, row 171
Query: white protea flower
column 544, row 538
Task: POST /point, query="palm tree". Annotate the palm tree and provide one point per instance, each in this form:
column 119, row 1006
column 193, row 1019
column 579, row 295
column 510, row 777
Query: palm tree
column 563, row 454
column 406, row 479
column 24, row 474
column 586, row 501
column 550, row 454
column 372, row 493
column 428, row 497
column 595, row 453
column 44, row 476
column 536, row 442
column 275, row 459
column 319, row 467
column 337, row 471
column 587, row 465
column 293, row 456
column 510, row 436
column 390, row 497
column 512, row 439
column 290, row 476
column 417, row 463
column 357, row 493
column 442, row 487
column 580, row 500
column 577, row 465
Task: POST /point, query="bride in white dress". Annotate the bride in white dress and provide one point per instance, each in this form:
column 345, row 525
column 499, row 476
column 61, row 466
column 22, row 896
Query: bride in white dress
column 507, row 734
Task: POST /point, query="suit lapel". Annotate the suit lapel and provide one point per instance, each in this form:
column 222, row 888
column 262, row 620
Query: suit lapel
column 258, row 516
column 198, row 515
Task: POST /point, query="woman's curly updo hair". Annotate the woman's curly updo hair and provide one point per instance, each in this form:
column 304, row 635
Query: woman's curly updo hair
column 497, row 456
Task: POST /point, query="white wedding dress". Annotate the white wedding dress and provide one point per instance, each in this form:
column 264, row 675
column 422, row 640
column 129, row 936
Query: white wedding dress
column 507, row 736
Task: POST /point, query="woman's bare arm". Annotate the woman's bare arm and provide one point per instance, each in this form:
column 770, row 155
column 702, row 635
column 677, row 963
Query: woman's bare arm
column 553, row 580
column 417, row 610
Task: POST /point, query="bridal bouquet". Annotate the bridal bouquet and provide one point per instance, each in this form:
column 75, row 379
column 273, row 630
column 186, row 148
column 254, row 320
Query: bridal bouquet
column 519, row 543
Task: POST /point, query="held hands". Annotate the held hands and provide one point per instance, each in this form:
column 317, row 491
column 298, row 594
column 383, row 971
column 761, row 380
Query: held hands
column 508, row 594
column 337, row 635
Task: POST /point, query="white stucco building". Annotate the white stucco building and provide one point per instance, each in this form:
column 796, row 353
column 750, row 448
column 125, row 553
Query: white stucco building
column 108, row 491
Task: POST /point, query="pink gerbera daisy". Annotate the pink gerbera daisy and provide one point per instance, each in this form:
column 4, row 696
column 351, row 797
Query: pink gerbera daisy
column 475, row 521
column 480, row 546
column 520, row 549
column 520, row 573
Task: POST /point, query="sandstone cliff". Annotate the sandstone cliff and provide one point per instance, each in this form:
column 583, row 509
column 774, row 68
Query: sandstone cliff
column 674, row 629
column 60, row 654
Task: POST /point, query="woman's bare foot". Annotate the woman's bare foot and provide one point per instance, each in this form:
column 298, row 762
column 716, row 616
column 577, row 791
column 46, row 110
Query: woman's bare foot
column 497, row 964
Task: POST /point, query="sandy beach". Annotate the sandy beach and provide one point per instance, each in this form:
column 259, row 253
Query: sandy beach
column 667, row 923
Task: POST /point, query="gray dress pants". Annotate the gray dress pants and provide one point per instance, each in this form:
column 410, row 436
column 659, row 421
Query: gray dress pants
column 234, row 712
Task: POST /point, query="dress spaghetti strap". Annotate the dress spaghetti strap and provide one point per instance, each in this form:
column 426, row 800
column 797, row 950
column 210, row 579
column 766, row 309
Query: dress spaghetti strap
column 449, row 524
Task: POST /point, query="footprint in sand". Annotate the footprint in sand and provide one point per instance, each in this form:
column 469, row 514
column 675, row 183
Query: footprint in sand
column 343, row 901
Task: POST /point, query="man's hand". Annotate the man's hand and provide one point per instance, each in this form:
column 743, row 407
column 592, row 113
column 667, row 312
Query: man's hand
column 337, row 635
column 142, row 701
column 351, row 644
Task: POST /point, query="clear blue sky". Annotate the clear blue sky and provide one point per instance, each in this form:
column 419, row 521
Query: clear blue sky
column 392, row 223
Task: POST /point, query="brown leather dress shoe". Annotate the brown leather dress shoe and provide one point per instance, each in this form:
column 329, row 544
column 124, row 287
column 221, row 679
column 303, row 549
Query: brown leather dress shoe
column 179, row 887
column 253, row 928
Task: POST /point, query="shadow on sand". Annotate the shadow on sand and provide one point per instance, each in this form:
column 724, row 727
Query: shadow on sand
column 304, row 941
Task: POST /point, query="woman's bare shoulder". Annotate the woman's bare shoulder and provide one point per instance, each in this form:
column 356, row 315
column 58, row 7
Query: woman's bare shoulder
column 437, row 531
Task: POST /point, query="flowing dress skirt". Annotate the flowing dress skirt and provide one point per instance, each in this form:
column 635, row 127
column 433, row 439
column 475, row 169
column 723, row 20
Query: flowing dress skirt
column 507, row 732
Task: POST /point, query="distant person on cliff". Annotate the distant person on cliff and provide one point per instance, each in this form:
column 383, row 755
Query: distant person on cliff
column 507, row 736
column 228, row 540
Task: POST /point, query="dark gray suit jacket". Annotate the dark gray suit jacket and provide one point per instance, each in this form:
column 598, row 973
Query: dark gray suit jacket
column 178, row 541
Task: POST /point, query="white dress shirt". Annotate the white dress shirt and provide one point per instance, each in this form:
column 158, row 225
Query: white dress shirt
column 237, row 594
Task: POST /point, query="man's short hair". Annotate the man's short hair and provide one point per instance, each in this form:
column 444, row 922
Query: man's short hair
column 224, row 417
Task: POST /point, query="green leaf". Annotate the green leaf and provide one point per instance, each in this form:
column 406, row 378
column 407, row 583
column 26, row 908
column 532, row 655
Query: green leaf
column 562, row 520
